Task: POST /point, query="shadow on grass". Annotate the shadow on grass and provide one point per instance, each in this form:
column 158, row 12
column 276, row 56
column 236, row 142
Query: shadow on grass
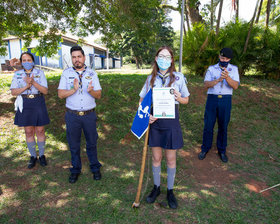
column 207, row 191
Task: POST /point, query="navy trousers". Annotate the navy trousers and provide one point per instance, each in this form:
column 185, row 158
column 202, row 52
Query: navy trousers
column 74, row 126
column 216, row 108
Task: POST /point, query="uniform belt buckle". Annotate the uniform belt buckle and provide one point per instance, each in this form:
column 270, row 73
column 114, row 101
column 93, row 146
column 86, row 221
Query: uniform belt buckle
column 31, row 96
column 220, row 96
column 81, row 113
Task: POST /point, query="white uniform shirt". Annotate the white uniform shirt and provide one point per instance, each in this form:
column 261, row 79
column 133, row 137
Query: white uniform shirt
column 179, row 85
column 221, row 88
column 81, row 100
column 19, row 82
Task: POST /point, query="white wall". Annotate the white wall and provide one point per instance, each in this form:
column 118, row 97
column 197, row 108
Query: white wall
column 98, row 64
column 15, row 48
column 66, row 56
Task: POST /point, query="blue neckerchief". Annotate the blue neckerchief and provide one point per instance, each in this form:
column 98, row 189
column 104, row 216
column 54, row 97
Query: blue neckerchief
column 80, row 78
column 163, row 77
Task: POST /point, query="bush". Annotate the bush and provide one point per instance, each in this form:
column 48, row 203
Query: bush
column 202, row 46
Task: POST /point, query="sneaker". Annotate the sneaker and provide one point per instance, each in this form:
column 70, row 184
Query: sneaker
column 153, row 195
column 42, row 160
column 32, row 162
column 172, row 202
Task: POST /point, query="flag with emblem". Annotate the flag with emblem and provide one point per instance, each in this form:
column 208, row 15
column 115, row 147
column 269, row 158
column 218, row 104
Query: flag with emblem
column 141, row 120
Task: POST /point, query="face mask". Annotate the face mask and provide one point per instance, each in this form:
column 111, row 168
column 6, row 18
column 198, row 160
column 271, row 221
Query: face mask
column 163, row 64
column 223, row 64
column 27, row 65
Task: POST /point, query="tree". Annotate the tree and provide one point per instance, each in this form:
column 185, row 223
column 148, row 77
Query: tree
column 29, row 19
column 219, row 16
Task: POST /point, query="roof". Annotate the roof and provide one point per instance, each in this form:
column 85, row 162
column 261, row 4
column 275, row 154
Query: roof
column 68, row 38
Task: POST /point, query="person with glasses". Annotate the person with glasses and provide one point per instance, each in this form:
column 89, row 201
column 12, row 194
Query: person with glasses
column 165, row 133
column 30, row 85
column 80, row 86
column 220, row 80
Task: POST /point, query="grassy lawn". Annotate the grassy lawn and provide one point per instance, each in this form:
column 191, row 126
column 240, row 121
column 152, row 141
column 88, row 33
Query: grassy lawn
column 208, row 191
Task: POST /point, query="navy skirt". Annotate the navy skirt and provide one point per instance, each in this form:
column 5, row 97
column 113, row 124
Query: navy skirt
column 166, row 133
column 34, row 113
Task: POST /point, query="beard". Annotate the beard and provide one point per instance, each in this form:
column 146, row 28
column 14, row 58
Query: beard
column 79, row 65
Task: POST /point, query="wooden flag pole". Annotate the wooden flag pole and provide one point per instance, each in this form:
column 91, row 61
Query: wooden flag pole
column 136, row 203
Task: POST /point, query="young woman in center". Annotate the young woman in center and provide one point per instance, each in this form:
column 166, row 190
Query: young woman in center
column 165, row 133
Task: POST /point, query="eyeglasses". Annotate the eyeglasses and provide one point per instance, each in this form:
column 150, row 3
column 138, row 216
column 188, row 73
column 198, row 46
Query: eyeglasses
column 167, row 57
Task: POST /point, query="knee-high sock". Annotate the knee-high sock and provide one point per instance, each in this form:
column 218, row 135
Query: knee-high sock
column 170, row 177
column 32, row 148
column 41, row 146
column 156, row 175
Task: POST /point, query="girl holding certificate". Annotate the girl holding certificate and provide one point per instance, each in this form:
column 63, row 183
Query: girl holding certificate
column 165, row 133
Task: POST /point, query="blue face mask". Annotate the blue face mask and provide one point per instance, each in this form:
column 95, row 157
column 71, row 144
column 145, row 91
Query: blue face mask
column 163, row 64
column 27, row 65
column 223, row 64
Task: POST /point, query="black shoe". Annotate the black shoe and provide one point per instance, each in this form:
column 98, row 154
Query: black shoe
column 202, row 155
column 153, row 195
column 73, row 177
column 223, row 157
column 32, row 162
column 42, row 160
column 172, row 202
column 97, row 175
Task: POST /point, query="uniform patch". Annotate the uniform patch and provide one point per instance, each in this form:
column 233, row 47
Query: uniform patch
column 18, row 74
column 88, row 77
column 229, row 69
column 19, row 77
column 71, row 77
column 37, row 76
column 177, row 78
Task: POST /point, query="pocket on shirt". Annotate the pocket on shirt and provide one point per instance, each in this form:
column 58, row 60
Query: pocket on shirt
column 70, row 84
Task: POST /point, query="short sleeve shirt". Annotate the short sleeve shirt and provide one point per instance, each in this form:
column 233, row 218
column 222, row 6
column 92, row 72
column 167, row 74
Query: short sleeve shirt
column 179, row 85
column 221, row 88
column 19, row 82
column 81, row 100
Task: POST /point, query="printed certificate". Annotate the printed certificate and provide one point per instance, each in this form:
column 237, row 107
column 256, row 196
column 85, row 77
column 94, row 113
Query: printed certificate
column 164, row 102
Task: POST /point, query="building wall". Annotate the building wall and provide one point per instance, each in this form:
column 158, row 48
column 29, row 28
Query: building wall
column 14, row 49
column 62, row 58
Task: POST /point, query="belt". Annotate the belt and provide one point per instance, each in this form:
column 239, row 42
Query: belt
column 31, row 96
column 80, row 113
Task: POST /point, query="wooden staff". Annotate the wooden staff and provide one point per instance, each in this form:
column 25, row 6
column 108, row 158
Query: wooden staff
column 136, row 203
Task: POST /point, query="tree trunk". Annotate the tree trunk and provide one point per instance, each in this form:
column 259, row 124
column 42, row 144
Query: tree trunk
column 237, row 10
column 219, row 17
column 268, row 7
column 193, row 9
column 212, row 15
column 250, row 28
column 259, row 11
column 187, row 18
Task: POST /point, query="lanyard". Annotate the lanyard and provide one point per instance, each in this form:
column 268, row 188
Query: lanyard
column 80, row 79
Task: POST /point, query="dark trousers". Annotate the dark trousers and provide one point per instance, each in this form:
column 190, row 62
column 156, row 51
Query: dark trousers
column 216, row 108
column 74, row 126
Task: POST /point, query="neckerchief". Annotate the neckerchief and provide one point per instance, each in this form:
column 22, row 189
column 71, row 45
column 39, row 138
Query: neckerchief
column 80, row 78
column 163, row 77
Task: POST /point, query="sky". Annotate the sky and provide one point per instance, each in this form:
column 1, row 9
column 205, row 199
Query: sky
column 246, row 11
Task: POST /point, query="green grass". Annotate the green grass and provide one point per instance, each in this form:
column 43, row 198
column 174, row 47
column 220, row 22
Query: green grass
column 43, row 195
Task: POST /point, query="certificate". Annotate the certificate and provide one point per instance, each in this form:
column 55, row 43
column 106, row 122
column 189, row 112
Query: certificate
column 164, row 102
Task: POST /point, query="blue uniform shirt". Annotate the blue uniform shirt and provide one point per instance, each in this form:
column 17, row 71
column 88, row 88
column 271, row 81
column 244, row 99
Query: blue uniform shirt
column 19, row 82
column 221, row 88
column 179, row 85
column 81, row 100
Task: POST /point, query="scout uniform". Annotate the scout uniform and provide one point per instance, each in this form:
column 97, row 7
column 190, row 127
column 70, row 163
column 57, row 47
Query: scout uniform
column 80, row 115
column 167, row 133
column 34, row 111
column 218, row 105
